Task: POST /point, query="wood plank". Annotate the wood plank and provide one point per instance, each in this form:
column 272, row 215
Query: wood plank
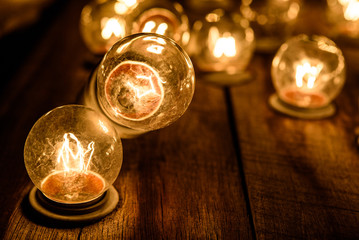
column 181, row 181
column 302, row 176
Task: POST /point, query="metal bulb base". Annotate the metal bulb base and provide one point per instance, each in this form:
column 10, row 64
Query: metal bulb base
column 304, row 113
column 82, row 212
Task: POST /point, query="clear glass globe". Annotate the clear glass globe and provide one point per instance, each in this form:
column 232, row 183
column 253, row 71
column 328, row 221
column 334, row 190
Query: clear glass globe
column 145, row 82
column 272, row 21
column 222, row 42
column 344, row 15
column 308, row 71
column 103, row 23
column 166, row 18
column 72, row 154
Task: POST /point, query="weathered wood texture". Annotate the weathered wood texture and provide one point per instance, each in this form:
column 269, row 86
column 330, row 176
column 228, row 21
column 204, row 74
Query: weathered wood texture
column 180, row 182
column 302, row 176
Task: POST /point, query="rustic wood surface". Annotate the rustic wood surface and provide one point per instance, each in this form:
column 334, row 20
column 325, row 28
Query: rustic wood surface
column 230, row 168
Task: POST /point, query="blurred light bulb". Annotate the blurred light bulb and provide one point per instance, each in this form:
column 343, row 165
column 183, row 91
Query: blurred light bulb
column 222, row 42
column 272, row 21
column 144, row 82
column 344, row 17
column 73, row 155
column 105, row 22
column 308, row 73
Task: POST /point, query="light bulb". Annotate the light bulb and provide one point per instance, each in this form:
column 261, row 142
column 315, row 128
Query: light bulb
column 344, row 17
column 166, row 18
column 272, row 21
column 143, row 83
column 222, row 42
column 103, row 23
column 308, row 72
column 73, row 155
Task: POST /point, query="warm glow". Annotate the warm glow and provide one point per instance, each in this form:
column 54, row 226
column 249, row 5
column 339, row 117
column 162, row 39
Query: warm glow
column 73, row 156
column 142, row 91
column 307, row 74
column 351, row 9
column 225, row 46
column 111, row 26
column 150, row 26
column 162, row 28
column 155, row 49
column 122, row 6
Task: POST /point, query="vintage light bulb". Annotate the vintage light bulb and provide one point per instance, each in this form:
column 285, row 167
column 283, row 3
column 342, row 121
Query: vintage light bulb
column 103, row 23
column 344, row 16
column 307, row 73
column 143, row 83
column 73, row 155
column 272, row 21
column 222, row 43
column 167, row 18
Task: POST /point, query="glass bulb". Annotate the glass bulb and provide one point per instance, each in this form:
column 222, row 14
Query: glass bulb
column 162, row 17
column 272, row 21
column 145, row 82
column 344, row 15
column 103, row 23
column 308, row 72
column 222, row 42
column 72, row 154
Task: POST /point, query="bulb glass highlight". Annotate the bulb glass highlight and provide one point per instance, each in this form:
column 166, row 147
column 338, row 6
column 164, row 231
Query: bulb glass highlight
column 72, row 154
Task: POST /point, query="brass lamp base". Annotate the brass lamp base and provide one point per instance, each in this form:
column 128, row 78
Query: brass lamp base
column 303, row 113
column 82, row 212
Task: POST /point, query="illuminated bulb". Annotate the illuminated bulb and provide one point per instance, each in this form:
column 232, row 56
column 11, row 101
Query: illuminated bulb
column 162, row 17
column 73, row 155
column 272, row 21
column 143, row 83
column 344, row 16
column 103, row 23
column 222, row 43
column 307, row 73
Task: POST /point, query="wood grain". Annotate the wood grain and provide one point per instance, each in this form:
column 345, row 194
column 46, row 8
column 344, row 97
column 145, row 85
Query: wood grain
column 302, row 176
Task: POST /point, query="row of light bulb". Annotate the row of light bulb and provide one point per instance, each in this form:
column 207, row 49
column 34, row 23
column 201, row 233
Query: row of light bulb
column 73, row 154
column 145, row 81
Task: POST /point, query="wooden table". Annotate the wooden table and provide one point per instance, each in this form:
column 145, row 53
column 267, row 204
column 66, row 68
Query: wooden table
column 230, row 168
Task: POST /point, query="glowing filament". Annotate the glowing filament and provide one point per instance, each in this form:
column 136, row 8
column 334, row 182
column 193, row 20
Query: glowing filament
column 73, row 155
column 162, row 28
column 111, row 27
column 122, row 6
column 225, row 46
column 351, row 9
column 307, row 73
column 150, row 26
column 143, row 92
